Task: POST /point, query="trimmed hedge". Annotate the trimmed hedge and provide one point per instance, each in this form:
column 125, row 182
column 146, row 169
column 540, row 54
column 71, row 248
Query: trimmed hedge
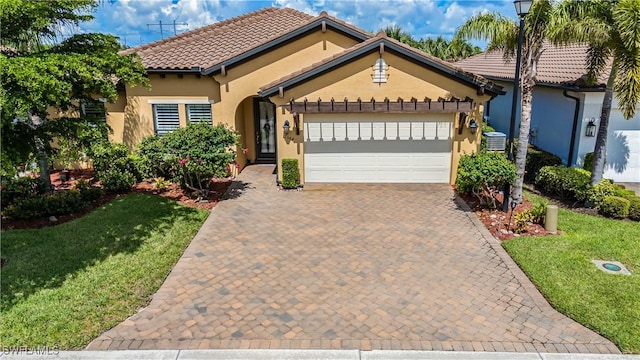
column 290, row 173
column 568, row 183
column 615, row 207
column 596, row 195
column 536, row 160
column 634, row 207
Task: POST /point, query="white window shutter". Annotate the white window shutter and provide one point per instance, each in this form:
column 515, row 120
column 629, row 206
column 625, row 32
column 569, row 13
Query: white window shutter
column 199, row 113
column 166, row 118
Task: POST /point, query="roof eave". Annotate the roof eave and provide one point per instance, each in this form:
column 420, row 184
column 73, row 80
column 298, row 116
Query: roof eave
column 563, row 86
column 490, row 88
column 192, row 70
column 284, row 38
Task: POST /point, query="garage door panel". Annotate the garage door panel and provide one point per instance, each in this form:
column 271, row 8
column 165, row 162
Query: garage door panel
column 379, row 146
column 399, row 149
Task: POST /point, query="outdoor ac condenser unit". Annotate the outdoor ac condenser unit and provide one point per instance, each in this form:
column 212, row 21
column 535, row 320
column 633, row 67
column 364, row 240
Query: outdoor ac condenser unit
column 496, row 141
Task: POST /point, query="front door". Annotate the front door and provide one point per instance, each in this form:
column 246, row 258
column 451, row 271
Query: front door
column 265, row 126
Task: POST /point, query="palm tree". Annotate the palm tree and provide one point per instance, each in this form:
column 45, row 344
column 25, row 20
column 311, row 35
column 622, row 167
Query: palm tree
column 396, row 32
column 502, row 34
column 611, row 30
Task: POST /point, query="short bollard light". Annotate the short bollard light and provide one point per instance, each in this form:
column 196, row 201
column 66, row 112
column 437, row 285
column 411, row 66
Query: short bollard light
column 551, row 219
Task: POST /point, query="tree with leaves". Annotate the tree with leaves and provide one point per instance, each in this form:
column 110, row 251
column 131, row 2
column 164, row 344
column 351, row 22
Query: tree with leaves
column 44, row 81
column 610, row 28
column 439, row 47
column 502, row 34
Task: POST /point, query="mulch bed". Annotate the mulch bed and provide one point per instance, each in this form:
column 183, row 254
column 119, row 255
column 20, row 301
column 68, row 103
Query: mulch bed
column 217, row 189
column 501, row 224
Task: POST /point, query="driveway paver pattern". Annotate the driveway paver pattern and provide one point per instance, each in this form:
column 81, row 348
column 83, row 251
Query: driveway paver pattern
column 395, row 267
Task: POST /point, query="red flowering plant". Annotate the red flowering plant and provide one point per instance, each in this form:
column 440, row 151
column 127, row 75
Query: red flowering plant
column 192, row 155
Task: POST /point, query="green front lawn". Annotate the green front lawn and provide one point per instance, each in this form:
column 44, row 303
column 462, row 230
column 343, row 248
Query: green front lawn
column 64, row 285
column 561, row 268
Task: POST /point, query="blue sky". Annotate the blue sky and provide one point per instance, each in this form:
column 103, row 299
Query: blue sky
column 128, row 19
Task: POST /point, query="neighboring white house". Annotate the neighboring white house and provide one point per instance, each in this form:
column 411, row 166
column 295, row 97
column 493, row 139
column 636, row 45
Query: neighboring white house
column 563, row 105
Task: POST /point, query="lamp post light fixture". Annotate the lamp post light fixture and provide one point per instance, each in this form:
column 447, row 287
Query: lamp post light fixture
column 591, row 128
column 522, row 9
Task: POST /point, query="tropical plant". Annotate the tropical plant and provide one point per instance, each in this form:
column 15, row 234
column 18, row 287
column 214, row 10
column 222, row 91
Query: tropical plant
column 439, row 47
column 502, row 34
column 41, row 76
column 610, row 28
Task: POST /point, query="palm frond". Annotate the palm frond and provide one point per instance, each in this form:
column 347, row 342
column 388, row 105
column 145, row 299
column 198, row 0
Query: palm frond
column 500, row 31
column 626, row 16
column 627, row 83
column 596, row 60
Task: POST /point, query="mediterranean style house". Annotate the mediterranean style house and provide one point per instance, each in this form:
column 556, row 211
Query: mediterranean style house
column 351, row 106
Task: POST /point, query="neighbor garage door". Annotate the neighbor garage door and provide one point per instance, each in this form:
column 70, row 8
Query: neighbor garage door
column 378, row 148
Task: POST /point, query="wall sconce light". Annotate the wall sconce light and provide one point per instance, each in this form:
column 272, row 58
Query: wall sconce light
column 286, row 127
column 473, row 126
column 591, row 128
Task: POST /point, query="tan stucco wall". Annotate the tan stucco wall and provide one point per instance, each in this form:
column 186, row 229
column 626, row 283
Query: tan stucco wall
column 353, row 80
column 232, row 94
column 241, row 83
column 131, row 117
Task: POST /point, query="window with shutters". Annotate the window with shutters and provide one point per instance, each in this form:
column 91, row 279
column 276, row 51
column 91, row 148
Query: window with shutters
column 199, row 113
column 94, row 109
column 165, row 118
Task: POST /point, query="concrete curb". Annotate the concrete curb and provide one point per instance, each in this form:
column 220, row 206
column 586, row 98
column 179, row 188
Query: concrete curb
column 257, row 354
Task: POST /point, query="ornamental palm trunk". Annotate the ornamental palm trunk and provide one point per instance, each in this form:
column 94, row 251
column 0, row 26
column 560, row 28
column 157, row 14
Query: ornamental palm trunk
column 600, row 150
column 523, row 135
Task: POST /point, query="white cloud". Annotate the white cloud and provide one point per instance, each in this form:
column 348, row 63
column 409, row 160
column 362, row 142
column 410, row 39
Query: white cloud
column 129, row 18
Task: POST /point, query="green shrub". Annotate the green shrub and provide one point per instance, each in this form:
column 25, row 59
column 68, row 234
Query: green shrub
column 624, row 192
column 536, row 160
column 88, row 192
column 22, row 187
column 596, row 194
column 568, row 183
column 634, row 207
column 615, row 207
column 59, row 203
column 107, row 156
column 290, row 173
column 115, row 167
column 115, row 181
column 483, row 174
column 190, row 155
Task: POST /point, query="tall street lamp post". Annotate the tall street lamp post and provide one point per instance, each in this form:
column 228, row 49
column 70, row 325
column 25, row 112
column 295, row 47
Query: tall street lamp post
column 522, row 9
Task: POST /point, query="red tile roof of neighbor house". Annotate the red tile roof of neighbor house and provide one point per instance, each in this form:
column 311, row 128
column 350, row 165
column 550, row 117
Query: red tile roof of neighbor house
column 558, row 65
column 213, row 44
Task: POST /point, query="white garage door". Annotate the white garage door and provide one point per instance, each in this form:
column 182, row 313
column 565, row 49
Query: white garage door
column 394, row 148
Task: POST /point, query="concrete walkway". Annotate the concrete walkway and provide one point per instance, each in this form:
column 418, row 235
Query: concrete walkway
column 391, row 267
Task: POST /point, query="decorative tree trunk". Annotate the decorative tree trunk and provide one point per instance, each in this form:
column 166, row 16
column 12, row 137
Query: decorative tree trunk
column 43, row 161
column 523, row 135
column 600, row 150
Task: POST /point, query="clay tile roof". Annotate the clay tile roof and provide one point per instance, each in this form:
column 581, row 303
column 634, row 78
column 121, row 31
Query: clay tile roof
column 558, row 65
column 211, row 45
column 378, row 37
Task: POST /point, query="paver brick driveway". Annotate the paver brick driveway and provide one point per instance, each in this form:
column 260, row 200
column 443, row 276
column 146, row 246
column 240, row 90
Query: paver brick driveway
column 346, row 266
